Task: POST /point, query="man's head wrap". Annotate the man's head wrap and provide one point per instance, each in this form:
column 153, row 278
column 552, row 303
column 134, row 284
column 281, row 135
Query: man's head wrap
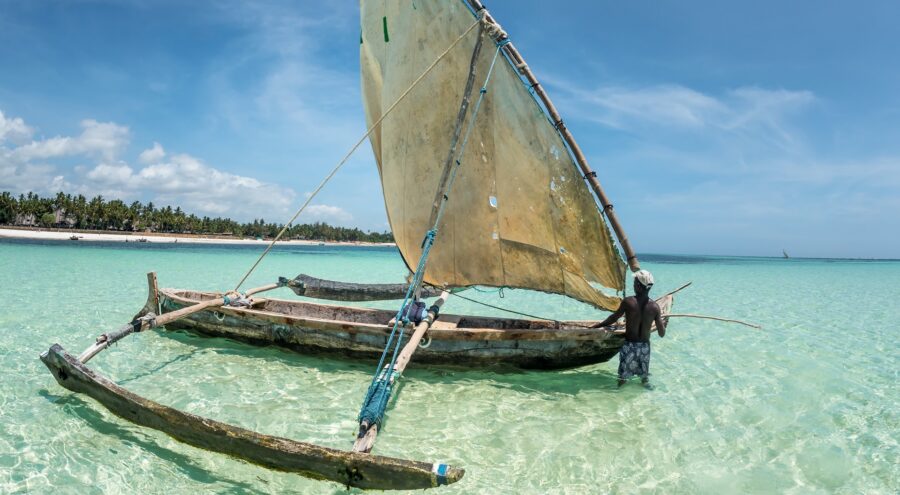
column 644, row 277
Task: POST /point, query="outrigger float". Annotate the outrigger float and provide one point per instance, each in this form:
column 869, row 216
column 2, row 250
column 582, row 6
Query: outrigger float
column 528, row 212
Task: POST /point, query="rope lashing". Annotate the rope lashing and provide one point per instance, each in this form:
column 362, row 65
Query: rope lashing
column 354, row 148
column 379, row 392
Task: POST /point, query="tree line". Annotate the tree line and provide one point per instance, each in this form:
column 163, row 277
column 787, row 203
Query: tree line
column 78, row 212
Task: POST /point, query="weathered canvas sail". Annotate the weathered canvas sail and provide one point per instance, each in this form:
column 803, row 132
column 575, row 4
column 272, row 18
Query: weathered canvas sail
column 519, row 214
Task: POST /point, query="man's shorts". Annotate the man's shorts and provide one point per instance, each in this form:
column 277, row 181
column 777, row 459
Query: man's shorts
column 634, row 360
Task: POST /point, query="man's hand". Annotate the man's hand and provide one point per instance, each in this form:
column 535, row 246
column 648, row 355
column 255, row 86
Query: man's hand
column 612, row 318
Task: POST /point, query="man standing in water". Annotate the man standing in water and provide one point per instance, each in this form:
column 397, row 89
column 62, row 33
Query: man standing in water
column 641, row 313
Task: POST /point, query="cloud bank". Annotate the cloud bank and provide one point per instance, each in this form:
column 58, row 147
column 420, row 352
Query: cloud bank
column 178, row 179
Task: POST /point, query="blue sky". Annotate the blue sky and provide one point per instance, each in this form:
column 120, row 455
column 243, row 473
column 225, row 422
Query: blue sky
column 715, row 127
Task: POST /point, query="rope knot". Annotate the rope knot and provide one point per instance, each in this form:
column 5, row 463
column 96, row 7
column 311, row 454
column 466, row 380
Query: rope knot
column 492, row 26
column 429, row 237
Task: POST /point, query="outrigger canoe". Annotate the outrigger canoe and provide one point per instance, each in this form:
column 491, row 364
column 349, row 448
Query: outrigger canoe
column 470, row 341
column 314, row 327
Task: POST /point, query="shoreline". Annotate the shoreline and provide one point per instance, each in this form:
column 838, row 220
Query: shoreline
column 159, row 238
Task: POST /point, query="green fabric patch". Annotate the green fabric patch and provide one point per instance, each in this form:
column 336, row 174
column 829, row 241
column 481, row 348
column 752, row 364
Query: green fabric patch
column 384, row 25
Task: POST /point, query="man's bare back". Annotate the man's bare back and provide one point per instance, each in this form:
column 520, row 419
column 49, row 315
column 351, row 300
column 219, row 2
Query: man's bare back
column 639, row 320
column 640, row 315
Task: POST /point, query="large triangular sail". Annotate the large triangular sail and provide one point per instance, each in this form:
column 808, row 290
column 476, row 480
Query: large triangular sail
column 520, row 214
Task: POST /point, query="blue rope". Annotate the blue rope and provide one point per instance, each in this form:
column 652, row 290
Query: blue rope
column 379, row 392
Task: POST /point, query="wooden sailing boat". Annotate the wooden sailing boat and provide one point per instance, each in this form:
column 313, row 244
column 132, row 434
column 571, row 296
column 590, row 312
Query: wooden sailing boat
column 502, row 195
column 354, row 332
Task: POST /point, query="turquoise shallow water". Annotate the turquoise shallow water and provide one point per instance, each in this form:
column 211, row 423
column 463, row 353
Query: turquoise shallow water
column 807, row 405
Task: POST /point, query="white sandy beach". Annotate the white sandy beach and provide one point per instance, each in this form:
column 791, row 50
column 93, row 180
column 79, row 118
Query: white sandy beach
column 63, row 235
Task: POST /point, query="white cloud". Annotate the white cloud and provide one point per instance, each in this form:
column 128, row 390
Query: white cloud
column 324, row 213
column 103, row 139
column 110, row 174
column 14, row 129
column 25, row 177
column 186, row 181
column 154, row 154
column 675, row 108
column 176, row 179
column 663, row 105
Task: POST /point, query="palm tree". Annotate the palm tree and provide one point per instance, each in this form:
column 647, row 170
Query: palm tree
column 8, row 208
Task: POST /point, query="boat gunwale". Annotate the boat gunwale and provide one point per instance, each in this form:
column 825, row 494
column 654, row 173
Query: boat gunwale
column 577, row 332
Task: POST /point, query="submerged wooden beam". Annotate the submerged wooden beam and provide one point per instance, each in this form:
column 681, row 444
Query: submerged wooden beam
column 313, row 461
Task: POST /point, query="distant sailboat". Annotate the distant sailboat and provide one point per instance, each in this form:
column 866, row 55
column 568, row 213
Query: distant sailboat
column 785, row 254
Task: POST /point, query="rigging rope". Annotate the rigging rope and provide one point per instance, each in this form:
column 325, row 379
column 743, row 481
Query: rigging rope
column 558, row 322
column 379, row 392
column 353, row 149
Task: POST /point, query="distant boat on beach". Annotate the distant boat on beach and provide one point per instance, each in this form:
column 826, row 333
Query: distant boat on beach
column 785, row 254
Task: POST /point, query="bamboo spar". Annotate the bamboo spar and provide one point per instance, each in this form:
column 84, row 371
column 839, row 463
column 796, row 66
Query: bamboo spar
column 364, row 443
column 152, row 321
column 514, row 55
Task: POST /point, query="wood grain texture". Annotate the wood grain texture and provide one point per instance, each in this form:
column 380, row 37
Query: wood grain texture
column 468, row 341
column 347, row 468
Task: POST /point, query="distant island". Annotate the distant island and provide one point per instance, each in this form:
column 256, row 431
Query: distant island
column 65, row 211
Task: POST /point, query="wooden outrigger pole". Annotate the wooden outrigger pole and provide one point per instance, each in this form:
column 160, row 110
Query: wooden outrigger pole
column 516, row 58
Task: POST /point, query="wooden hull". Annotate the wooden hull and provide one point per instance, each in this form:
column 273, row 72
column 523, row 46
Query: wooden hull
column 362, row 333
column 348, row 468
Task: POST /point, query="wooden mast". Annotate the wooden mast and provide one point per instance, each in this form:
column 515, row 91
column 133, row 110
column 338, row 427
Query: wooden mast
column 591, row 176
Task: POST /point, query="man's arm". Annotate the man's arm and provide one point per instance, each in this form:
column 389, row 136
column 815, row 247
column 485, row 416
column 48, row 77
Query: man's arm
column 613, row 317
column 660, row 324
